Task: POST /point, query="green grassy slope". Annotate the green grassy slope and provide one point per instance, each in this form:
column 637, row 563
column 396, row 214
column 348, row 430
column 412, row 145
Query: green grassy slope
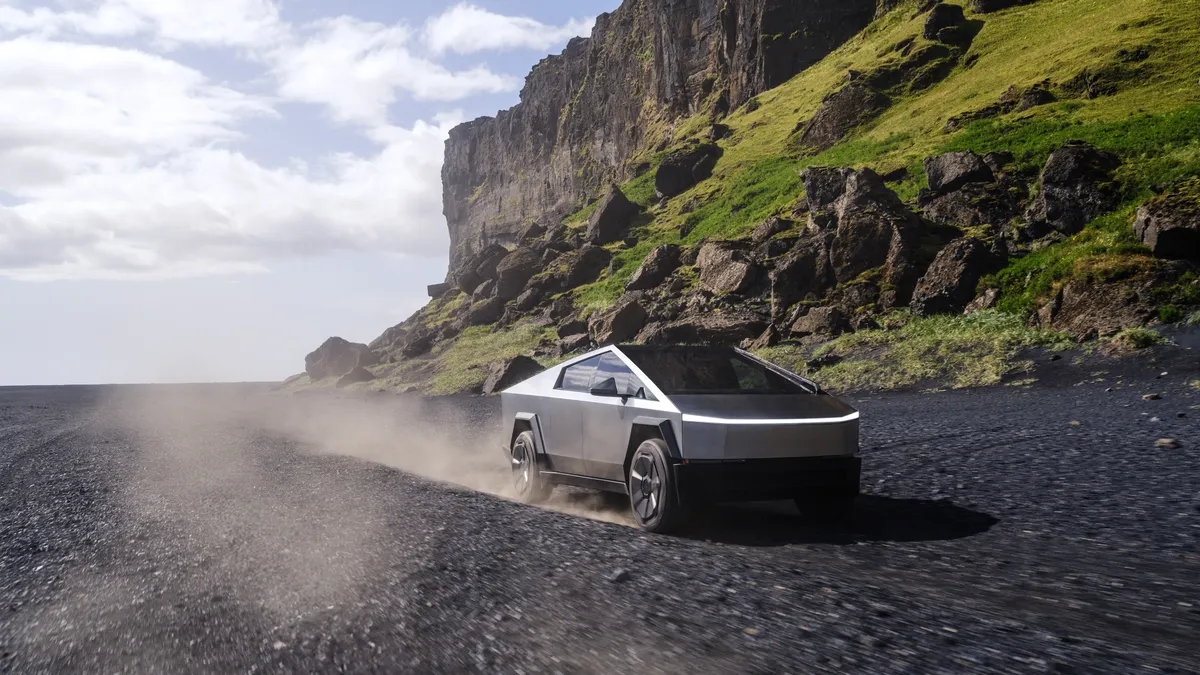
column 1152, row 121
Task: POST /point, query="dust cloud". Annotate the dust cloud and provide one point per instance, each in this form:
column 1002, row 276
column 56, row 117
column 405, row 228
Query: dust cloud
column 220, row 475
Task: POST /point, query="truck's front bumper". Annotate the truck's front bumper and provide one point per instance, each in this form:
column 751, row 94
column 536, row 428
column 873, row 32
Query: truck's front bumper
column 768, row 479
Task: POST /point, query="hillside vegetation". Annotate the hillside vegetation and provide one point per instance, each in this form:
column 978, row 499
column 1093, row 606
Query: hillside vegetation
column 1121, row 76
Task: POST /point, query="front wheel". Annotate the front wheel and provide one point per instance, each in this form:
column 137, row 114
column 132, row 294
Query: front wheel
column 531, row 488
column 652, row 489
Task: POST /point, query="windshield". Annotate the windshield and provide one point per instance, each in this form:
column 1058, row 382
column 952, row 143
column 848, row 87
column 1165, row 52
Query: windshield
column 708, row 370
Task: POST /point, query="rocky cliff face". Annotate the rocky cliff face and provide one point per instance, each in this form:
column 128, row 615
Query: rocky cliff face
column 585, row 113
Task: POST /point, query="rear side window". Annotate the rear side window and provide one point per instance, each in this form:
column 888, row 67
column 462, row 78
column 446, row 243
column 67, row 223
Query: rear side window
column 579, row 376
column 613, row 375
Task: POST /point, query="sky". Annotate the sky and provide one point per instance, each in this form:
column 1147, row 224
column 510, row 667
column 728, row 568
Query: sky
column 206, row 191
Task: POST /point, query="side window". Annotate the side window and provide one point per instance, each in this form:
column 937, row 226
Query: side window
column 613, row 375
column 750, row 378
column 579, row 376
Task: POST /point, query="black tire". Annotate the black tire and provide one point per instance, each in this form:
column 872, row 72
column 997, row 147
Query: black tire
column 528, row 483
column 828, row 511
column 652, row 489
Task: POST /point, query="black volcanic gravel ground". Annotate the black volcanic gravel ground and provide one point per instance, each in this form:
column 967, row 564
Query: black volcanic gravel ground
column 1002, row 530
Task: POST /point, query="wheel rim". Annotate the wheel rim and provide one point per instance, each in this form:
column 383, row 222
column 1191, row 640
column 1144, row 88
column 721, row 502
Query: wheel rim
column 522, row 466
column 645, row 487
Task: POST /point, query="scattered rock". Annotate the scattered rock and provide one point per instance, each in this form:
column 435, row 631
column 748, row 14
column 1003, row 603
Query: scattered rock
column 725, row 268
column 1089, row 309
column 718, row 132
column 986, row 300
column 572, row 326
column 528, row 300
column 943, row 16
column 1152, row 397
column 510, row 372
column 574, row 343
column 684, row 168
column 479, row 267
column 515, row 271
column 619, row 324
column 769, row 338
column 803, row 274
column 561, row 308
column 1169, row 225
column 872, row 228
column 840, row 113
column 337, row 357
column 824, row 361
column 573, row 269
column 485, row 312
column 438, row 290
column 769, row 228
column 949, row 284
column 483, row 291
column 1076, row 188
column 356, row 376
column 714, row 328
column 655, row 269
column 1167, row 444
column 418, row 343
column 610, row 222
column 821, row 321
column 953, row 170
column 531, row 233
column 619, row 576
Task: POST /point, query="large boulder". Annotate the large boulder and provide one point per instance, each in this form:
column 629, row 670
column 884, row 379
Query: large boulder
column 725, row 267
column 684, row 168
column 840, row 113
column 573, row 269
column 573, row 343
column 336, row 357
column 356, row 376
column 1087, row 309
column 477, row 268
column 941, row 17
column 871, row 227
column 1076, row 188
column 953, row 170
column 418, row 342
column 655, row 269
column 619, row 324
column 485, row 312
column 709, row 328
column 612, row 217
column 510, row 372
column 514, row 271
column 803, row 274
column 438, row 290
column 975, row 205
column 769, row 228
column 1170, row 224
column 821, row 321
column 949, row 284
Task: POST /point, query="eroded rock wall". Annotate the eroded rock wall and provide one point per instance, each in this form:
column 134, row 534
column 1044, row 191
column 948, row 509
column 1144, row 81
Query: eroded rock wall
column 586, row 112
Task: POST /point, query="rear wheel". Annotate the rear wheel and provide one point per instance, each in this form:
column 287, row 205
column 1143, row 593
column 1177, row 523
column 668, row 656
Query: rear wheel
column 531, row 488
column 652, row 489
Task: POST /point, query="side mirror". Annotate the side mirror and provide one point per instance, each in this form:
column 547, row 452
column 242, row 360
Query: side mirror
column 607, row 393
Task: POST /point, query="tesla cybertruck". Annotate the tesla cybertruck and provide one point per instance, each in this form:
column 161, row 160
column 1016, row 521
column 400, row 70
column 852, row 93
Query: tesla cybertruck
column 675, row 427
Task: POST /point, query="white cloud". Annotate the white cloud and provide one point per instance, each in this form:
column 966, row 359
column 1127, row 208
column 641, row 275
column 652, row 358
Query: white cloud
column 467, row 29
column 356, row 68
column 170, row 22
column 118, row 160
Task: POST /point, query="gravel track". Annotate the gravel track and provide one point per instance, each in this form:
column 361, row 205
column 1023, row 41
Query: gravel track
column 1002, row 530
